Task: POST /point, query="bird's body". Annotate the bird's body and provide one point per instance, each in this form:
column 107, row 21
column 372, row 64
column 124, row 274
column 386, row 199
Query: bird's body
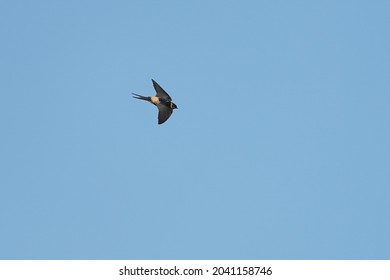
column 162, row 100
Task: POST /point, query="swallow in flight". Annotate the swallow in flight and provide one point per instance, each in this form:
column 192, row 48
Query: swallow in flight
column 162, row 100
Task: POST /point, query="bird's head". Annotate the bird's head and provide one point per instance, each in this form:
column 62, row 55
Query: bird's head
column 173, row 106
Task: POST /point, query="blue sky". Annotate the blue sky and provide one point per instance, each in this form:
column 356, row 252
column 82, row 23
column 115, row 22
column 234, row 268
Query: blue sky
column 279, row 148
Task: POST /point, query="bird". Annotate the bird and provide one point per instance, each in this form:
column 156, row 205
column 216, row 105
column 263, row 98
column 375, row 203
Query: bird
column 162, row 100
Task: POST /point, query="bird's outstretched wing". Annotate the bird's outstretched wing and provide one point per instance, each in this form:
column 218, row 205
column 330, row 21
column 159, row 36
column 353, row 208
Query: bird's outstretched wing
column 160, row 92
column 164, row 112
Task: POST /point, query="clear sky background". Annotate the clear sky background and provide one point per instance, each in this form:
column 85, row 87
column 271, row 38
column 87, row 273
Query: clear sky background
column 279, row 148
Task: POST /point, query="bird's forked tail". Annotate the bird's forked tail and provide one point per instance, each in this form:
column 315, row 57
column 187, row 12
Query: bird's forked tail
column 141, row 97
